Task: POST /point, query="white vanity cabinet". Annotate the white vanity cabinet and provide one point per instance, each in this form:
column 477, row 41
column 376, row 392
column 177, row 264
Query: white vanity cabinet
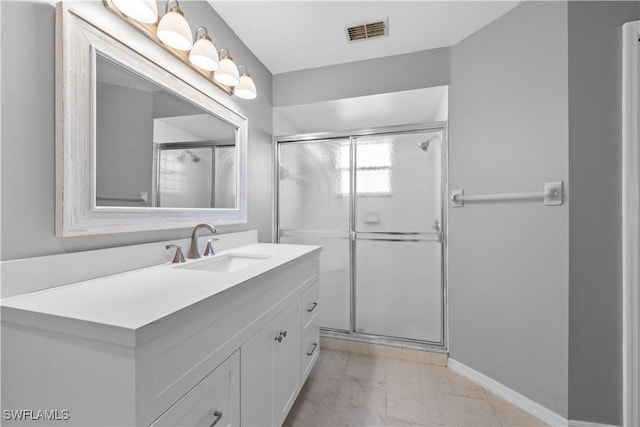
column 273, row 360
column 115, row 351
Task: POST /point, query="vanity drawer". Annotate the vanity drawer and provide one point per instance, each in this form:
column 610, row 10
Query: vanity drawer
column 309, row 307
column 215, row 401
column 310, row 346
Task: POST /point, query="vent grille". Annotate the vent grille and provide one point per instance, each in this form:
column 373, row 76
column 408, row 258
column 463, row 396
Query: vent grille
column 367, row 31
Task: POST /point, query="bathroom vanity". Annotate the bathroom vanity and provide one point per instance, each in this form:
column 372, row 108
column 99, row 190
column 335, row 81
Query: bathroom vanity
column 223, row 340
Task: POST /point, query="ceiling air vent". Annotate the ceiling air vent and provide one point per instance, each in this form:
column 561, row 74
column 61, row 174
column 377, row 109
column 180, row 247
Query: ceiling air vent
column 367, row 31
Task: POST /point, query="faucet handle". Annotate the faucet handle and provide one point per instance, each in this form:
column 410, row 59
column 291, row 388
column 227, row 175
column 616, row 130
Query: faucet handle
column 209, row 250
column 178, row 257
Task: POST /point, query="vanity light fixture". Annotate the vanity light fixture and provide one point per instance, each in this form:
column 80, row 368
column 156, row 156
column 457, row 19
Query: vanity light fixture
column 173, row 28
column 174, row 34
column 145, row 11
column 227, row 72
column 203, row 53
column 246, row 88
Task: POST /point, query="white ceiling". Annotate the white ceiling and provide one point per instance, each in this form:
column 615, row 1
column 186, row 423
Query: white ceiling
column 296, row 35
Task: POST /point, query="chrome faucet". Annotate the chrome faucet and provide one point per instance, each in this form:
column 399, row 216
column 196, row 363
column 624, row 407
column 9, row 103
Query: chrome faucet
column 193, row 250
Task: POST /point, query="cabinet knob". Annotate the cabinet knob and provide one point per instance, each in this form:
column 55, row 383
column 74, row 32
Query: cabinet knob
column 279, row 338
column 284, row 334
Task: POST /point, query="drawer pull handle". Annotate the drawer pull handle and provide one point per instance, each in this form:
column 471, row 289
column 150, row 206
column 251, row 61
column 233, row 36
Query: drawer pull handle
column 217, row 415
column 315, row 345
column 312, row 307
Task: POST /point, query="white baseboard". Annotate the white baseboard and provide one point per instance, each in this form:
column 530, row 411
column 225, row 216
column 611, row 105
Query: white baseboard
column 574, row 423
column 524, row 403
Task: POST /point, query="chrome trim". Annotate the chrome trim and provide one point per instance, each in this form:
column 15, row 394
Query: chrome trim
column 444, row 224
column 352, row 231
column 314, row 233
column 275, row 188
column 397, row 233
column 382, row 239
column 383, row 340
column 319, row 136
column 400, row 237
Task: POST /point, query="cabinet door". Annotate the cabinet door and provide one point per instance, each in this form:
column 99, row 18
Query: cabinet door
column 257, row 377
column 286, row 361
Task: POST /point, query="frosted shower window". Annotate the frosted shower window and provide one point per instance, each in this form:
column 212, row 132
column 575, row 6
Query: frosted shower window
column 374, row 169
column 185, row 178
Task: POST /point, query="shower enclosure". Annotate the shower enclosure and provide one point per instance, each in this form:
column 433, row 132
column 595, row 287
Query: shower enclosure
column 373, row 200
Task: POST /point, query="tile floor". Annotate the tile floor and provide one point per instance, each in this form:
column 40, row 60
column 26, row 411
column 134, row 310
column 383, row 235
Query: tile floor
column 350, row 389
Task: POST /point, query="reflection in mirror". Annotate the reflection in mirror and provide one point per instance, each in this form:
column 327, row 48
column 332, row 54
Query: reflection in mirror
column 155, row 149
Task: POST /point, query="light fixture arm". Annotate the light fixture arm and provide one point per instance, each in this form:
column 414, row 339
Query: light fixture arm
column 224, row 53
column 175, row 8
column 204, row 35
column 204, row 32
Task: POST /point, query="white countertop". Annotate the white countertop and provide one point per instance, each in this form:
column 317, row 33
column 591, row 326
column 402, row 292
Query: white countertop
column 118, row 305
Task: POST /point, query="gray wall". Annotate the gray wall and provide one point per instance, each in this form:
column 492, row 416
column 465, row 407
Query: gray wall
column 508, row 262
column 124, row 154
column 28, row 180
column 595, row 263
column 417, row 70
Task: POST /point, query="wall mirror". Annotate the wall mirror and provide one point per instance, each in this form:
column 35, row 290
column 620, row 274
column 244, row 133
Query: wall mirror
column 137, row 147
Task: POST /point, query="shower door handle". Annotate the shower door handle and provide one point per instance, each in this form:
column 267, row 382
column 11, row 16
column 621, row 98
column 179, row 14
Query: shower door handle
column 438, row 228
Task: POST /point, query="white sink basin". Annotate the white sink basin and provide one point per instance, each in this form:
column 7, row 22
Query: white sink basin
column 225, row 263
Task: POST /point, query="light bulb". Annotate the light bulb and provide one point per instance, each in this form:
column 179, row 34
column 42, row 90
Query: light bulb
column 174, row 30
column 141, row 10
column 246, row 88
column 204, row 54
column 227, row 72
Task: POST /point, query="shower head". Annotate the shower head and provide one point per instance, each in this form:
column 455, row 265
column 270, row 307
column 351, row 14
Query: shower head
column 424, row 145
column 194, row 157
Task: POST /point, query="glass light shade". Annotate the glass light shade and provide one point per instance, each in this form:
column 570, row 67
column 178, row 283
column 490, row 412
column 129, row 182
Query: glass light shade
column 204, row 55
column 174, row 30
column 227, row 72
column 141, row 10
column 246, row 88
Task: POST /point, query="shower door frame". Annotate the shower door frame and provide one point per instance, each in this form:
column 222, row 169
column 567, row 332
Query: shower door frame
column 441, row 346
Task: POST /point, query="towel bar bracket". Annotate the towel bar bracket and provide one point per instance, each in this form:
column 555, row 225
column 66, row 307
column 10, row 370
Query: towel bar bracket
column 553, row 193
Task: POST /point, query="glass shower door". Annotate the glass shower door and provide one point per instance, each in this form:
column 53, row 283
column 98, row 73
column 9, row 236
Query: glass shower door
column 398, row 236
column 314, row 208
